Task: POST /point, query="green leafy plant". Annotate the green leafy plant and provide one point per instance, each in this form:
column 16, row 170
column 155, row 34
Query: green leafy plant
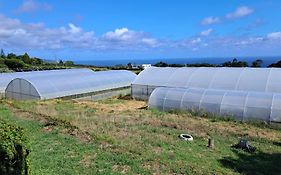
column 13, row 150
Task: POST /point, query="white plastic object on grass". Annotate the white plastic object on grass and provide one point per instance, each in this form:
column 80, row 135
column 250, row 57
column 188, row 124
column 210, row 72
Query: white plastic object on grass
column 186, row 137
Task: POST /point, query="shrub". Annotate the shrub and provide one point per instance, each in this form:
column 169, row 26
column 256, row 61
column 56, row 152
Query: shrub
column 14, row 63
column 13, row 150
column 2, row 63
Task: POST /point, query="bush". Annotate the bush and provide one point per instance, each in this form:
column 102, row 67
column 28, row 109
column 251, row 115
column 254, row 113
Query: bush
column 2, row 63
column 14, row 63
column 13, row 150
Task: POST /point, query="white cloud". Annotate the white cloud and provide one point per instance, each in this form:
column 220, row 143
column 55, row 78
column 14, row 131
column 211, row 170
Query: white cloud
column 18, row 35
column 240, row 12
column 31, row 6
column 210, row 20
column 15, row 34
column 249, row 41
column 122, row 34
column 188, row 43
column 151, row 42
column 196, row 41
column 206, row 32
column 127, row 38
column 74, row 29
column 274, row 35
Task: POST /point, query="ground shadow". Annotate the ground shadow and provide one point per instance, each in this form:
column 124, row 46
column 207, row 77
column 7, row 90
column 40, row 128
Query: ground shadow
column 142, row 108
column 277, row 143
column 125, row 97
column 258, row 163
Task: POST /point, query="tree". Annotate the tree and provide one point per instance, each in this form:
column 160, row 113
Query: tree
column 11, row 56
column 36, row 61
column 257, row 63
column 176, row 65
column 235, row 63
column 69, row 63
column 201, row 65
column 277, row 64
column 130, row 66
column 60, row 62
column 2, row 54
column 2, row 63
column 14, row 63
column 161, row 64
column 25, row 58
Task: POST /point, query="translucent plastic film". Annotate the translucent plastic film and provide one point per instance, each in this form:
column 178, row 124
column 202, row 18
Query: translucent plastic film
column 241, row 105
column 221, row 78
column 61, row 85
column 6, row 78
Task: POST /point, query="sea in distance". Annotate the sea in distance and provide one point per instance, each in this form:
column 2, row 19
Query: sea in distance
column 267, row 60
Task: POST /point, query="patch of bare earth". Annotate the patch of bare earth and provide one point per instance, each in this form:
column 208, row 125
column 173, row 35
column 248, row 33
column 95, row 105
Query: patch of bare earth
column 123, row 169
column 154, row 166
column 87, row 160
column 125, row 105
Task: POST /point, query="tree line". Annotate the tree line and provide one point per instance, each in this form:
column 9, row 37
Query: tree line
column 234, row 63
column 25, row 62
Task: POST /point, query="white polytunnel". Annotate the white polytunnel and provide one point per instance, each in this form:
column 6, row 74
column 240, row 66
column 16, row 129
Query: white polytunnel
column 242, row 105
column 6, row 78
column 224, row 78
column 67, row 84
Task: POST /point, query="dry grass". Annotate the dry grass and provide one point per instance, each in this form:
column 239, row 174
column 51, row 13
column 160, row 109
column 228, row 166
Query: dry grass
column 120, row 119
column 150, row 137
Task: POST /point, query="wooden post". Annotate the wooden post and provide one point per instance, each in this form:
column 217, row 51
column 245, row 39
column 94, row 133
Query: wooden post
column 211, row 143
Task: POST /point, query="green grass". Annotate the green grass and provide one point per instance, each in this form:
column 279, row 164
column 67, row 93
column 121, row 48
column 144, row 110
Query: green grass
column 129, row 139
column 48, row 152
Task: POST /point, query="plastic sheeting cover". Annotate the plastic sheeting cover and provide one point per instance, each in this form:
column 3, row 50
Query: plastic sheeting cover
column 6, row 78
column 242, row 105
column 252, row 79
column 70, row 84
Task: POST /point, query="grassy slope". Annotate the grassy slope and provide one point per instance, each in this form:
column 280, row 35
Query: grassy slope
column 126, row 138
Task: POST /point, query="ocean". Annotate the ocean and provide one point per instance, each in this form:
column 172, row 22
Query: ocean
column 219, row 60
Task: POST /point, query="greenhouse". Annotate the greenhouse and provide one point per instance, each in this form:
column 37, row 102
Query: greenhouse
column 67, row 84
column 238, row 79
column 6, row 78
column 242, row 105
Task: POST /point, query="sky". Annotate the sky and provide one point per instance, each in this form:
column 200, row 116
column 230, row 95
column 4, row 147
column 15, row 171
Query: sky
column 140, row 29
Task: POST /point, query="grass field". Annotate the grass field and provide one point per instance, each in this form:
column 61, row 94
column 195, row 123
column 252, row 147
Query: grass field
column 119, row 136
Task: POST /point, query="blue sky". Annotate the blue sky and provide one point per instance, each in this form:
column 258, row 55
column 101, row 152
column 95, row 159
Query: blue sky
column 140, row 29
